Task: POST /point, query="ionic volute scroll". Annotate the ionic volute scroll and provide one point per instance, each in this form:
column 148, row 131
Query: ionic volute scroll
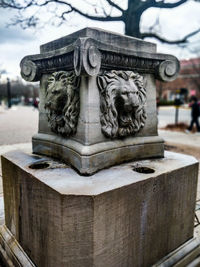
column 167, row 70
column 87, row 57
column 29, row 70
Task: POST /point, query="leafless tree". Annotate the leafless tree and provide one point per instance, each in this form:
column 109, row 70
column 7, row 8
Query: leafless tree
column 102, row 10
column 19, row 89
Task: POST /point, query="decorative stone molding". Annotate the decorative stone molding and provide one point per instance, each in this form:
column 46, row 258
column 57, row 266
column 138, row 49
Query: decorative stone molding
column 87, row 56
column 30, row 70
column 167, row 70
column 63, row 102
column 122, row 103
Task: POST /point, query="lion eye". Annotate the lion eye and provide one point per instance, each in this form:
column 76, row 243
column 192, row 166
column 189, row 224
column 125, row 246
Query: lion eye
column 125, row 93
column 51, row 80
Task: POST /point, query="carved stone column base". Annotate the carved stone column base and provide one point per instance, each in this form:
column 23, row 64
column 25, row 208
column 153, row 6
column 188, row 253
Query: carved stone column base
column 129, row 215
column 89, row 159
column 11, row 253
column 98, row 89
column 184, row 255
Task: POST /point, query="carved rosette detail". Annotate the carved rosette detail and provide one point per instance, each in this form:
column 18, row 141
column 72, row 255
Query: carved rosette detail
column 122, row 103
column 63, row 102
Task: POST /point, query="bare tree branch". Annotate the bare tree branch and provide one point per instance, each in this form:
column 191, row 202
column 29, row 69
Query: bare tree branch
column 162, row 4
column 115, row 5
column 108, row 18
column 72, row 8
column 131, row 17
column 163, row 40
column 62, row 16
column 14, row 5
column 25, row 23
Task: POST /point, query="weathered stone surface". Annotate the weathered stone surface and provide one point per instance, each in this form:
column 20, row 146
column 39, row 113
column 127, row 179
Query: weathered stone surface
column 88, row 159
column 63, row 102
column 112, row 38
column 84, row 110
column 89, row 133
column 89, row 50
column 116, row 217
column 122, row 103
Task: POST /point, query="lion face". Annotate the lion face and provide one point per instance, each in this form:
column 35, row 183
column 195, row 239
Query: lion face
column 128, row 95
column 123, row 98
column 62, row 102
column 57, row 95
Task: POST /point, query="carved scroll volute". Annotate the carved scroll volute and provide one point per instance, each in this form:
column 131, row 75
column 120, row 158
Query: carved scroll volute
column 87, row 57
column 168, row 70
column 29, row 70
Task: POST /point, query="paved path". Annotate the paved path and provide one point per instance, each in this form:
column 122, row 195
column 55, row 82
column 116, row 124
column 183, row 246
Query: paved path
column 166, row 115
column 181, row 138
column 17, row 125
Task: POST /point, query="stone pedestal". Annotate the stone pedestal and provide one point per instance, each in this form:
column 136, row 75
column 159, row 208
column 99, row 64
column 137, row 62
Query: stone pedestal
column 133, row 214
column 98, row 98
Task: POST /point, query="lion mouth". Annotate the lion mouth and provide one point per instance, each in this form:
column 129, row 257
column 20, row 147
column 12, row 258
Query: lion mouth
column 128, row 108
column 126, row 120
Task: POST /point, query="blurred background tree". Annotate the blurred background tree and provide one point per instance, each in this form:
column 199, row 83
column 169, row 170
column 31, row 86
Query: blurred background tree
column 129, row 12
column 19, row 90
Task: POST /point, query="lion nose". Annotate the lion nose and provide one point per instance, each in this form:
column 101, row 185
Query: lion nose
column 128, row 108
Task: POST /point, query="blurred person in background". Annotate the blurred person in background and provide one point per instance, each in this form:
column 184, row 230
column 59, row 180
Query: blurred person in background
column 35, row 103
column 195, row 113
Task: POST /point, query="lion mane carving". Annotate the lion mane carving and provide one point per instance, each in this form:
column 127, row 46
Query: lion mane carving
column 63, row 102
column 122, row 103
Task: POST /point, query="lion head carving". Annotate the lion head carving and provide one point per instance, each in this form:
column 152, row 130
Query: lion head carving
column 63, row 102
column 122, row 103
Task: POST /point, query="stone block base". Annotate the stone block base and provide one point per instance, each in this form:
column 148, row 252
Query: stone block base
column 129, row 215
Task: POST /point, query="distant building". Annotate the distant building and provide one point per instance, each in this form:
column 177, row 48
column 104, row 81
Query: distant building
column 186, row 85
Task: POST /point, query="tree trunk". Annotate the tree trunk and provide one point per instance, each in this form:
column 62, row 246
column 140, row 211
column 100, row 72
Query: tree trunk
column 132, row 18
column 132, row 27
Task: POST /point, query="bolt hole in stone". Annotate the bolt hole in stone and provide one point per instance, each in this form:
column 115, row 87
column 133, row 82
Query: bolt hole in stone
column 143, row 170
column 39, row 165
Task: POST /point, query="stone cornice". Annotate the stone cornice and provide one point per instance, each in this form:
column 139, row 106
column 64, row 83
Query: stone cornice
column 87, row 56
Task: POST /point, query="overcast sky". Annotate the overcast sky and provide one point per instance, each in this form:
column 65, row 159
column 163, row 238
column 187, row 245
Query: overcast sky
column 15, row 43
